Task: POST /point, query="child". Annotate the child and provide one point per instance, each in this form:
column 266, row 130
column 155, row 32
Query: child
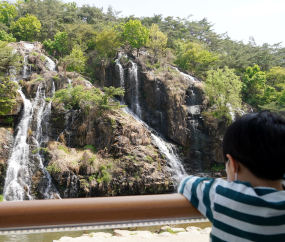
column 250, row 206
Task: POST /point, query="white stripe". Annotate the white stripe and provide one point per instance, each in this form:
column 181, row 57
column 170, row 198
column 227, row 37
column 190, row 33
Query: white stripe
column 200, row 195
column 273, row 197
column 247, row 209
column 227, row 237
column 248, row 227
column 278, row 196
column 188, row 187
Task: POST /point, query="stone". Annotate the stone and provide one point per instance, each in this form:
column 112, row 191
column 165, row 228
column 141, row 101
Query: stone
column 164, row 234
column 164, row 228
column 122, row 233
column 193, row 230
column 101, row 234
column 65, row 238
column 206, row 230
column 142, row 234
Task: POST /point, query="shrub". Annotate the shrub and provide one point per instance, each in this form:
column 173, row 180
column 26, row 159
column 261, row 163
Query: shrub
column 53, row 168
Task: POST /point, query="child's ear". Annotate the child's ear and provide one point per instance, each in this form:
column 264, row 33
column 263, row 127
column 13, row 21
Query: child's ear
column 232, row 164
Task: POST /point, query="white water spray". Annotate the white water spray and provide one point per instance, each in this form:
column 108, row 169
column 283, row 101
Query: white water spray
column 135, row 106
column 174, row 164
column 17, row 177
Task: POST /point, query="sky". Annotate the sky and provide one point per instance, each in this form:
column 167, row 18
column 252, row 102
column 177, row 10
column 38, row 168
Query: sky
column 262, row 19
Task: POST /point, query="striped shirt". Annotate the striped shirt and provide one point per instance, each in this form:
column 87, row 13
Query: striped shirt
column 237, row 211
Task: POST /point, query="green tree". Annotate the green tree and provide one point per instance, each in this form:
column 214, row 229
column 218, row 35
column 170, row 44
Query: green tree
column 107, row 42
column 195, row 57
column 8, row 88
column 111, row 92
column 223, row 88
column 4, row 36
column 7, row 12
column 75, row 61
column 276, row 77
column 254, row 86
column 136, row 34
column 26, row 28
column 59, row 44
column 157, row 40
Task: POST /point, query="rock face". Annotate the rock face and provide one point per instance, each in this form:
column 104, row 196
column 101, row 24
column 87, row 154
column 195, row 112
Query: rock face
column 124, row 148
column 6, row 144
column 92, row 152
column 173, row 105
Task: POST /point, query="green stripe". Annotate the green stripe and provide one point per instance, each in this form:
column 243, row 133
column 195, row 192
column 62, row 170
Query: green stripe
column 194, row 200
column 216, row 239
column 207, row 201
column 247, row 235
column 247, row 184
column 263, row 191
column 250, row 200
column 182, row 185
column 252, row 219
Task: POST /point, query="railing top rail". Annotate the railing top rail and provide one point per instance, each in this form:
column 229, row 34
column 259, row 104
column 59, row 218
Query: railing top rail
column 79, row 211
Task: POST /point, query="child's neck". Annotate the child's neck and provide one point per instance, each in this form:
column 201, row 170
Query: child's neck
column 246, row 176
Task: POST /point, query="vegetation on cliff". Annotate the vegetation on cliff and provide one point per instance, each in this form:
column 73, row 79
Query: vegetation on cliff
column 88, row 33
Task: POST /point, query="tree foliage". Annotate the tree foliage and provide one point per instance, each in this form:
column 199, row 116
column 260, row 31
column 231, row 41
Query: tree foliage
column 7, row 12
column 58, row 45
column 9, row 60
column 195, row 57
column 223, row 89
column 75, row 61
column 4, row 36
column 136, row 34
column 107, row 42
column 26, row 28
column 157, row 40
column 254, row 85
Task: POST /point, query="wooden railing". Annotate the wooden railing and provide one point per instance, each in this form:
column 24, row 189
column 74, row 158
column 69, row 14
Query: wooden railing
column 88, row 211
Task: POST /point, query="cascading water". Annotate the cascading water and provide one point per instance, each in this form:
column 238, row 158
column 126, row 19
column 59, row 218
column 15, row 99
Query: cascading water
column 175, row 167
column 174, row 164
column 120, row 69
column 41, row 117
column 135, row 106
column 25, row 67
column 49, row 63
column 17, row 178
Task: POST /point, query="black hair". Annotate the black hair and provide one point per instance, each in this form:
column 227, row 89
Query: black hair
column 257, row 141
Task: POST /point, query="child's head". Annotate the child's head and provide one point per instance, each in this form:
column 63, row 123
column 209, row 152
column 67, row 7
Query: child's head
column 257, row 141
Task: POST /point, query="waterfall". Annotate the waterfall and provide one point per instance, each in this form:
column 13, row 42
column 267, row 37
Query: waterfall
column 135, row 106
column 35, row 116
column 17, row 178
column 120, row 69
column 186, row 76
column 25, row 67
column 42, row 114
column 49, row 63
column 175, row 167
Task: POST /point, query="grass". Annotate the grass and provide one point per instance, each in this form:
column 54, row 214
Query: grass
column 53, row 168
column 169, row 230
column 90, row 147
column 64, row 149
column 219, row 167
column 1, row 198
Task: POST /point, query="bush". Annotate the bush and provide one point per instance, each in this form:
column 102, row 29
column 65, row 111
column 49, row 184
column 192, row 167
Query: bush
column 53, row 168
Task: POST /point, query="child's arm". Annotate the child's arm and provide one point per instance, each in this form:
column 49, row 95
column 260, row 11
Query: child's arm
column 200, row 192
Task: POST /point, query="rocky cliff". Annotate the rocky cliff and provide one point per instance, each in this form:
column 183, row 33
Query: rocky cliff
column 74, row 152
column 174, row 104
